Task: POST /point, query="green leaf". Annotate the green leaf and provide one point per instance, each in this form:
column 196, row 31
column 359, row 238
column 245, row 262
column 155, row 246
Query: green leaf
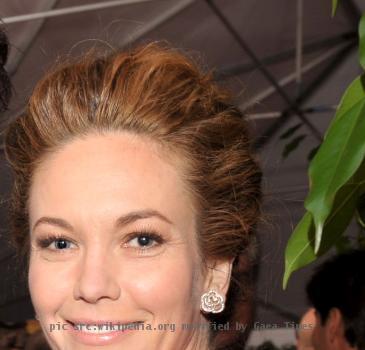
column 362, row 41
column 292, row 145
column 334, row 7
column 299, row 251
column 290, row 131
column 300, row 247
column 338, row 158
column 354, row 94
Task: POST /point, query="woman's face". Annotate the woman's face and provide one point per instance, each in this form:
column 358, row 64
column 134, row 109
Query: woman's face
column 113, row 242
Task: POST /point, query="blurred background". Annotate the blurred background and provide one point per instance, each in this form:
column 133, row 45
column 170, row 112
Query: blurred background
column 287, row 61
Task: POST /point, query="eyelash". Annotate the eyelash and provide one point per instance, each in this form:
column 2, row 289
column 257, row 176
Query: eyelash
column 44, row 243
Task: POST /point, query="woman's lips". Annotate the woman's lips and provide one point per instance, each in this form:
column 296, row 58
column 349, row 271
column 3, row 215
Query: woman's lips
column 100, row 332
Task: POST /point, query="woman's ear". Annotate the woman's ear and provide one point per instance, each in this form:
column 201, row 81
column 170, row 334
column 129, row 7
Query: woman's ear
column 219, row 275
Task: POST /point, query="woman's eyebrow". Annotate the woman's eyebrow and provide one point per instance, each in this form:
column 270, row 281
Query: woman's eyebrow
column 120, row 222
column 141, row 214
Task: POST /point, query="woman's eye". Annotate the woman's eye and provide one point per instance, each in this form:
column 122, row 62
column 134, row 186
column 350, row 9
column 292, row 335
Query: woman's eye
column 55, row 243
column 60, row 244
column 144, row 241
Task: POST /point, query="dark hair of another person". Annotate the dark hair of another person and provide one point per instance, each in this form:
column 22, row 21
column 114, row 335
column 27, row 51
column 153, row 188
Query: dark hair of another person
column 157, row 92
column 340, row 283
column 5, row 87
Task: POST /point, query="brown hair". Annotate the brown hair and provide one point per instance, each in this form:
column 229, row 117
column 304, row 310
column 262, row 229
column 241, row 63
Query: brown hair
column 157, row 91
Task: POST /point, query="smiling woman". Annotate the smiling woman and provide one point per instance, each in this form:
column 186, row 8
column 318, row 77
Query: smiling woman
column 135, row 199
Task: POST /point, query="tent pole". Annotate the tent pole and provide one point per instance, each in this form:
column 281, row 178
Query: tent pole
column 313, row 87
column 277, row 114
column 69, row 10
column 264, row 71
column 241, row 68
column 299, row 45
column 290, row 78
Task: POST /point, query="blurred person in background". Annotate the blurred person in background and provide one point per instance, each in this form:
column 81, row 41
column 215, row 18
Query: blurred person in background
column 337, row 293
column 305, row 330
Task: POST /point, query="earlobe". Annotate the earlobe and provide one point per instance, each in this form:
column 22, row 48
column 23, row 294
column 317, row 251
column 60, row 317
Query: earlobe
column 216, row 286
column 212, row 302
column 219, row 276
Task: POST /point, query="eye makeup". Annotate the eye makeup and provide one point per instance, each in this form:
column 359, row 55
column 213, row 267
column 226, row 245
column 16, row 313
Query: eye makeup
column 142, row 241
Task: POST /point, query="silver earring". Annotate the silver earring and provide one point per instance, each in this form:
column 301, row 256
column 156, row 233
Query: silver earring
column 212, row 302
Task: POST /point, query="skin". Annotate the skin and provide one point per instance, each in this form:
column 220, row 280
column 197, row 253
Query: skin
column 305, row 331
column 320, row 337
column 103, row 273
column 330, row 335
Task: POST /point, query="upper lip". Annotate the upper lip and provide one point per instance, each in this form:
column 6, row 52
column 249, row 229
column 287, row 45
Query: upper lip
column 87, row 321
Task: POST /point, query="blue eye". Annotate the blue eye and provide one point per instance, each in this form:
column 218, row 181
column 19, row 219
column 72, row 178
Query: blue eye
column 61, row 244
column 144, row 240
column 139, row 240
column 55, row 242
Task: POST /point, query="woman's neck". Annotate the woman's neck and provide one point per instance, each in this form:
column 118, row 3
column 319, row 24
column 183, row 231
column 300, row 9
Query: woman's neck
column 200, row 341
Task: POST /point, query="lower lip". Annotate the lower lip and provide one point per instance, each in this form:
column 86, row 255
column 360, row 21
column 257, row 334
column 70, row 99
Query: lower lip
column 97, row 339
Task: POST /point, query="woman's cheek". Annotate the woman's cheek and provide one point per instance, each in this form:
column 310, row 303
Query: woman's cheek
column 161, row 283
column 49, row 284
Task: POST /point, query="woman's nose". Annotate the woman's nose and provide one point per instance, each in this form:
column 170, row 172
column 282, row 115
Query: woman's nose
column 96, row 278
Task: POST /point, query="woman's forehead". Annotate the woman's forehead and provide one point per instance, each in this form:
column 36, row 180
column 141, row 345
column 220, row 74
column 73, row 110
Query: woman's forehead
column 107, row 173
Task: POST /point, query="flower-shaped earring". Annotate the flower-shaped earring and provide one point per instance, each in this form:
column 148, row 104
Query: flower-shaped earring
column 212, row 302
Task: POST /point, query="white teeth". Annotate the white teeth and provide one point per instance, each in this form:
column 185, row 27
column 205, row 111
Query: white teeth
column 100, row 328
